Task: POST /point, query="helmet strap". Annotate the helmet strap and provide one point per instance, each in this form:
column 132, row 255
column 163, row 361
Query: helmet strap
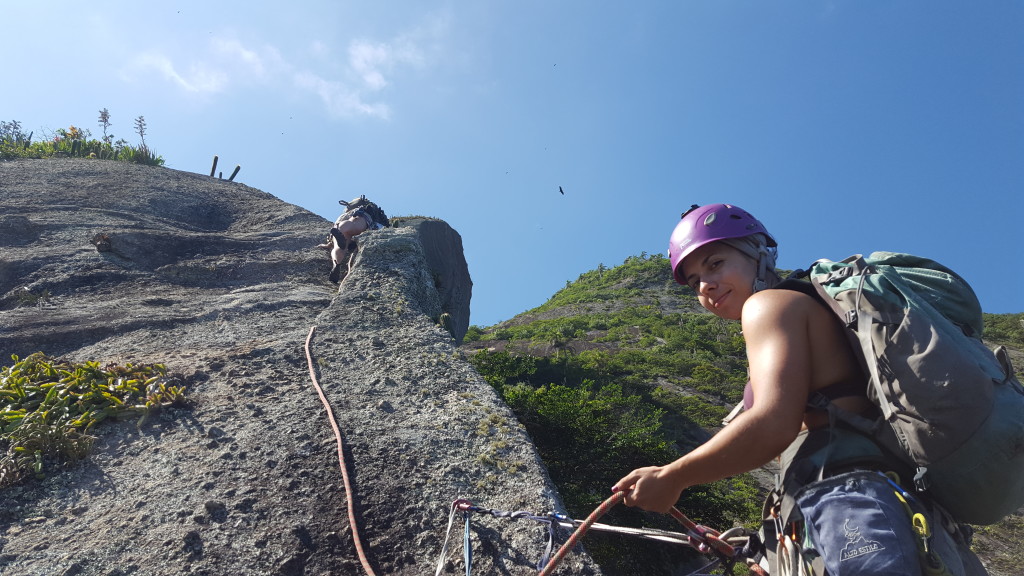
column 761, row 282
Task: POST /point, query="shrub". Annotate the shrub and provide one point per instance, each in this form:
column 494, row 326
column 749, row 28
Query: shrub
column 1005, row 328
column 473, row 334
column 695, row 408
column 48, row 407
column 589, row 438
column 501, row 368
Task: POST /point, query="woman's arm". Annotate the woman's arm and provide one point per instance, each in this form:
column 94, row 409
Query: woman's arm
column 775, row 327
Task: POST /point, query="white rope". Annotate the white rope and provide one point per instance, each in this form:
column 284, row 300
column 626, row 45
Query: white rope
column 444, row 548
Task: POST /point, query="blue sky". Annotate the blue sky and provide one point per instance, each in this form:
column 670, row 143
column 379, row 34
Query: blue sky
column 845, row 126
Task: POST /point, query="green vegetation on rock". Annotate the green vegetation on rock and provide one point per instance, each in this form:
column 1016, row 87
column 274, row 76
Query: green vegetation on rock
column 76, row 142
column 48, row 407
column 1005, row 329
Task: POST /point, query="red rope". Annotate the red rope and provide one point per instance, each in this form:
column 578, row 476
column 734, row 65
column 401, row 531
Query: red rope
column 580, row 531
column 341, row 459
column 702, row 538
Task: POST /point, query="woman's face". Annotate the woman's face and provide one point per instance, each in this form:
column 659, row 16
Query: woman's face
column 722, row 276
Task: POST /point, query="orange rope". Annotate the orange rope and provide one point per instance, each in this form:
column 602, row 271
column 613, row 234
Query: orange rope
column 341, row 459
column 708, row 538
column 580, row 531
column 702, row 538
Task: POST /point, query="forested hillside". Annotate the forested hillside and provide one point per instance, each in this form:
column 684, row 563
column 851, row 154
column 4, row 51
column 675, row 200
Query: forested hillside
column 623, row 368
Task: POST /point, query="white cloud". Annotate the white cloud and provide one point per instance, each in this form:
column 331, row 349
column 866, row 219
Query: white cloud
column 225, row 63
column 319, row 49
column 366, row 60
column 369, row 69
column 340, row 100
column 353, row 84
column 233, row 50
column 371, row 61
column 199, row 78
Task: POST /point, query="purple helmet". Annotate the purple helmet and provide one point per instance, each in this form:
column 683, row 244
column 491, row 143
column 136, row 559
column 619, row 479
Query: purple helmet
column 702, row 225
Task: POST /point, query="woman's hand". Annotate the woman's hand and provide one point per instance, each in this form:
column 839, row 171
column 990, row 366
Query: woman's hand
column 652, row 488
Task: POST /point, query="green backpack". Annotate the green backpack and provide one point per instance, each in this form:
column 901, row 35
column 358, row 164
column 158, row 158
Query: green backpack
column 950, row 407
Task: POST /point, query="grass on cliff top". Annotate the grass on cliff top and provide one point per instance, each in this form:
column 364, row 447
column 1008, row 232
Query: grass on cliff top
column 75, row 142
column 49, row 406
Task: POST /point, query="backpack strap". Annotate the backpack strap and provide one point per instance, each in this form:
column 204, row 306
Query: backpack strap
column 733, row 414
column 858, row 317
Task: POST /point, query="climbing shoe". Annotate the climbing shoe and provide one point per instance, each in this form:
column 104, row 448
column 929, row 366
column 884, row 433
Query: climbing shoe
column 337, row 272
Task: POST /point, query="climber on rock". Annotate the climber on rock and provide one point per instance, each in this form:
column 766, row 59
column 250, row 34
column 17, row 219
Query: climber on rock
column 360, row 215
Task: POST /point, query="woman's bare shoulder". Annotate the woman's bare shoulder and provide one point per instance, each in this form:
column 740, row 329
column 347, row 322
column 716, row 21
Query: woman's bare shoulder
column 771, row 305
column 774, row 316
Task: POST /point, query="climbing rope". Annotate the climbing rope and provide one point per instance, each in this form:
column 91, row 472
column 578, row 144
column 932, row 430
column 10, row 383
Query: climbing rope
column 728, row 547
column 341, row 458
column 704, row 539
column 581, row 530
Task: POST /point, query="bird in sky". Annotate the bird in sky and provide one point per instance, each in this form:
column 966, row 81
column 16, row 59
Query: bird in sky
column 562, row 191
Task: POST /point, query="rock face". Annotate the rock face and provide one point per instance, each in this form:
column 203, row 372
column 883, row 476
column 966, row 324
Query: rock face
column 221, row 282
column 442, row 249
